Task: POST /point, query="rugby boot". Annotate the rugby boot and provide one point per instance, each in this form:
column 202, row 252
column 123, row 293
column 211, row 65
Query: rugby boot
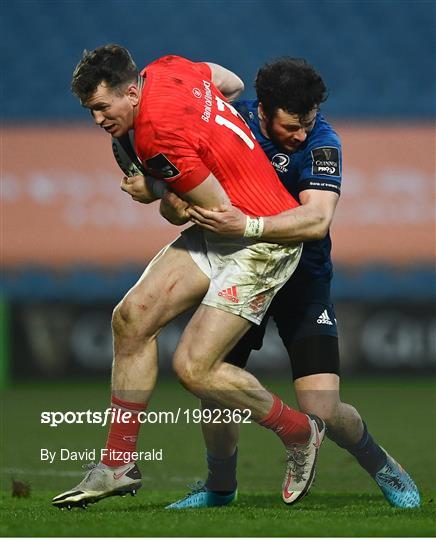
column 101, row 482
column 396, row 485
column 301, row 463
column 200, row 497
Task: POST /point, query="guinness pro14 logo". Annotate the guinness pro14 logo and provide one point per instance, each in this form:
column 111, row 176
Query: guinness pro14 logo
column 325, row 161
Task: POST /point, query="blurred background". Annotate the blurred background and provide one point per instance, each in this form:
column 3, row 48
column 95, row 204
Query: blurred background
column 73, row 244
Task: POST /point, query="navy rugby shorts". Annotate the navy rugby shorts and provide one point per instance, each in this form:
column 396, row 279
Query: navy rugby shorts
column 305, row 318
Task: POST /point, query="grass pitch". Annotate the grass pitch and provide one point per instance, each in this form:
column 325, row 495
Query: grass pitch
column 344, row 501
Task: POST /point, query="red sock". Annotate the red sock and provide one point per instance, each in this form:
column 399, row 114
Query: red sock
column 122, row 434
column 290, row 425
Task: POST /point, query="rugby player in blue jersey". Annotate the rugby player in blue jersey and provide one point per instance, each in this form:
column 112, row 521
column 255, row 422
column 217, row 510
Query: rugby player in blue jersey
column 306, row 154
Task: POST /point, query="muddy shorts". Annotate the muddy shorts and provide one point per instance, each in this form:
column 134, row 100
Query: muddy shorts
column 244, row 273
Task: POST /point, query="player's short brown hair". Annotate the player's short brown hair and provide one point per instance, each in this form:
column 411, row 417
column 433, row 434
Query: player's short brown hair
column 111, row 64
column 291, row 84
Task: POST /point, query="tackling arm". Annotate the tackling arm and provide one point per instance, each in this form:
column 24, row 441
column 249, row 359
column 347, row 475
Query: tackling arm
column 310, row 221
column 174, row 209
column 229, row 84
column 307, row 222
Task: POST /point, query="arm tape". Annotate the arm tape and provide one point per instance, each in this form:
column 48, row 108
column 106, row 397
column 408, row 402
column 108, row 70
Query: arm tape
column 254, row 227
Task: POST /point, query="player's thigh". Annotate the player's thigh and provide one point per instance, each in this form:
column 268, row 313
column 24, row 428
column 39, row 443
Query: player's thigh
column 309, row 333
column 209, row 336
column 171, row 284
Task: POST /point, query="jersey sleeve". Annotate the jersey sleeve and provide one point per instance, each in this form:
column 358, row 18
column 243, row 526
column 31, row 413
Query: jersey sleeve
column 204, row 70
column 180, row 62
column 322, row 165
column 177, row 162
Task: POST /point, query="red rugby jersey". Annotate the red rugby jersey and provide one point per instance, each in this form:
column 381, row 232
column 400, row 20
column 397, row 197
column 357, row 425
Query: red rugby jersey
column 185, row 129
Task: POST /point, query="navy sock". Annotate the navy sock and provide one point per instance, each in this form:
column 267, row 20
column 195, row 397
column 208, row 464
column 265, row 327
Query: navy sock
column 368, row 453
column 221, row 476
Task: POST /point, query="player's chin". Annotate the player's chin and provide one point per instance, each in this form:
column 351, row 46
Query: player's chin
column 292, row 147
column 115, row 131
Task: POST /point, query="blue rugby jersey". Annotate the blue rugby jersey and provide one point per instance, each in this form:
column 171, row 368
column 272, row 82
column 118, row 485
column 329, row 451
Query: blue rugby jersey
column 317, row 164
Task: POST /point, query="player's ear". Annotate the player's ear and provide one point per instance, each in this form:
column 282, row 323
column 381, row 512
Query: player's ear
column 262, row 114
column 133, row 94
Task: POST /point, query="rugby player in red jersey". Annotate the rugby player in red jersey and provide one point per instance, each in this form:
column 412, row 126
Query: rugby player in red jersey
column 188, row 136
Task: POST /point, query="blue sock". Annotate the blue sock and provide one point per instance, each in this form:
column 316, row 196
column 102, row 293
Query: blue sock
column 221, row 476
column 368, row 453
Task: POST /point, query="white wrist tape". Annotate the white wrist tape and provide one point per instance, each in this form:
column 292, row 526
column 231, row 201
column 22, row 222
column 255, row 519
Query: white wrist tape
column 254, row 227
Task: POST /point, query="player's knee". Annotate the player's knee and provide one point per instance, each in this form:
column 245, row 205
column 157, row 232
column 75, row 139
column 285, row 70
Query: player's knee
column 122, row 317
column 131, row 319
column 184, row 372
column 190, row 373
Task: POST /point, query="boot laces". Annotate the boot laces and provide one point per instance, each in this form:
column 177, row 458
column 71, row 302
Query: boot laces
column 297, row 459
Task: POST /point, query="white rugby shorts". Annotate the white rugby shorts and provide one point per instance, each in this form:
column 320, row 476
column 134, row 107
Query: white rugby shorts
column 244, row 273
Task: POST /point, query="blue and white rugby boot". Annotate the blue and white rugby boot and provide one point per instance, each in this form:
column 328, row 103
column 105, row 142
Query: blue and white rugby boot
column 200, row 497
column 100, row 482
column 396, row 485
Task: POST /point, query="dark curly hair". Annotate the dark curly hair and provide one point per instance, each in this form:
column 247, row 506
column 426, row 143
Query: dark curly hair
column 110, row 63
column 291, row 84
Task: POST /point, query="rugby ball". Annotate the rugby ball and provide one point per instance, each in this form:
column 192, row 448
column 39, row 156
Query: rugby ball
column 124, row 154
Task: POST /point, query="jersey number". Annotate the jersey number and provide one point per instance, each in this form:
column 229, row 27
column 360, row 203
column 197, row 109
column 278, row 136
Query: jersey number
column 221, row 121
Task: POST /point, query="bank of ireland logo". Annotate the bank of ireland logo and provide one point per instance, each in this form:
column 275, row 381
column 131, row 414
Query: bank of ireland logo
column 280, row 162
column 197, row 93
